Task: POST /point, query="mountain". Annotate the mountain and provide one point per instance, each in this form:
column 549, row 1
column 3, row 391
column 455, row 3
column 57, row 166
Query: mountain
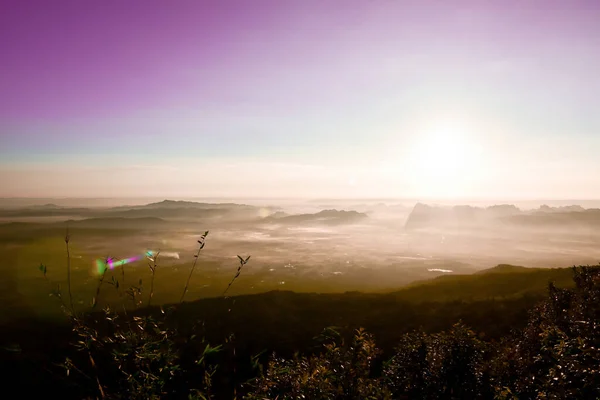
column 464, row 216
column 547, row 209
column 503, row 210
column 193, row 204
column 49, row 206
column 116, row 223
column 557, row 219
column 188, row 211
column 505, row 269
column 44, row 211
column 279, row 214
column 327, row 217
column 426, row 216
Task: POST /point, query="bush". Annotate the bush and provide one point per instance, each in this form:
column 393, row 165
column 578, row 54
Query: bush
column 557, row 356
column 342, row 371
column 139, row 355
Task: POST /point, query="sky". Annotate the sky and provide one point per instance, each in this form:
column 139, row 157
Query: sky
column 338, row 98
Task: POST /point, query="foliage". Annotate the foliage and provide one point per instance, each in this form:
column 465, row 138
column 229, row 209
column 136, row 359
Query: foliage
column 448, row 364
column 135, row 359
column 146, row 354
column 136, row 356
column 341, row 372
column 557, row 356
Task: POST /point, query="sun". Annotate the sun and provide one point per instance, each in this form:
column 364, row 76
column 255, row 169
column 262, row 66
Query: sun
column 443, row 159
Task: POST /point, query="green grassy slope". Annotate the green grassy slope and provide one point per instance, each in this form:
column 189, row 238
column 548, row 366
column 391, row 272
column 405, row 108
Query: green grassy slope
column 501, row 282
column 493, row 302
column 490, row 302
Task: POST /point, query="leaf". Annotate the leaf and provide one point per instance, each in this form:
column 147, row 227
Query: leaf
column 247, row 258
column 240, row 257
column 211, row 350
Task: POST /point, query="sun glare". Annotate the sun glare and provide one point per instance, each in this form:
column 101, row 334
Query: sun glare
column 444, row 160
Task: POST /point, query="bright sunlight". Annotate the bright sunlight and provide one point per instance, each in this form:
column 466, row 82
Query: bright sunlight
column 444, row 158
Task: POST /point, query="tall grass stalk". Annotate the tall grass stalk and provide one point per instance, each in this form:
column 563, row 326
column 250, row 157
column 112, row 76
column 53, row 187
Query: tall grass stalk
column 243, row 261
column 201, row 243
column 153, row 267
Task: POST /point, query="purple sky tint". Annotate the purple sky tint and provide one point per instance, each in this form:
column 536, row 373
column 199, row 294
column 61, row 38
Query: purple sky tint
column 78, row 59
column 314, row 83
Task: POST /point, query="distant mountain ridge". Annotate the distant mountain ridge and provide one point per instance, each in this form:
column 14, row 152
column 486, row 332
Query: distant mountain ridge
column 185, row 211
column 117, row 222
column 330, row 217
column 191, row 204
column 465, row 216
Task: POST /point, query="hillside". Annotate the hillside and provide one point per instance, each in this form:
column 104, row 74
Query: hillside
column 505, row 268
column 585, row 218
column 500, row 282
column 464, row 216
column 327, row 217
column 186, row 211
column 493, row 303
column 116, row 222
column 433, row 303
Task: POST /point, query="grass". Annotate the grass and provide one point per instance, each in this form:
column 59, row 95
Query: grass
column 201, row 243
column 492, row 285
column 153, row 365
column 169, row 348
column 25, row 295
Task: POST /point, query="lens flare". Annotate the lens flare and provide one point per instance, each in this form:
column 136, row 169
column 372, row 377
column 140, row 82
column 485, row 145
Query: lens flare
column 103, row 264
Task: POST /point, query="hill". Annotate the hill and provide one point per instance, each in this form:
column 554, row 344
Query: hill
column 506, row 215
column 192, row 204
column 557, row 219
column 164, row 209
column 505, row 268
column 494, row 303
column 500, row 282
column 116, row 222
column 327, row 217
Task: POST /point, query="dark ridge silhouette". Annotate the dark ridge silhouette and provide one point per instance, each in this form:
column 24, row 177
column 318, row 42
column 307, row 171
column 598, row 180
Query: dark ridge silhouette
column 506, row 268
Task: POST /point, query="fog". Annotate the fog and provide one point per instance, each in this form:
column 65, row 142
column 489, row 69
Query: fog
column 299, row 245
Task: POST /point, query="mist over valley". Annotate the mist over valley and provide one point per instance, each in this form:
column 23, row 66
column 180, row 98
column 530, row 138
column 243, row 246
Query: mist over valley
column 303, row 246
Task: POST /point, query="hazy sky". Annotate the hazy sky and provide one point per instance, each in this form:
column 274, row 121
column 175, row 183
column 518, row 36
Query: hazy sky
column 366, row 98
